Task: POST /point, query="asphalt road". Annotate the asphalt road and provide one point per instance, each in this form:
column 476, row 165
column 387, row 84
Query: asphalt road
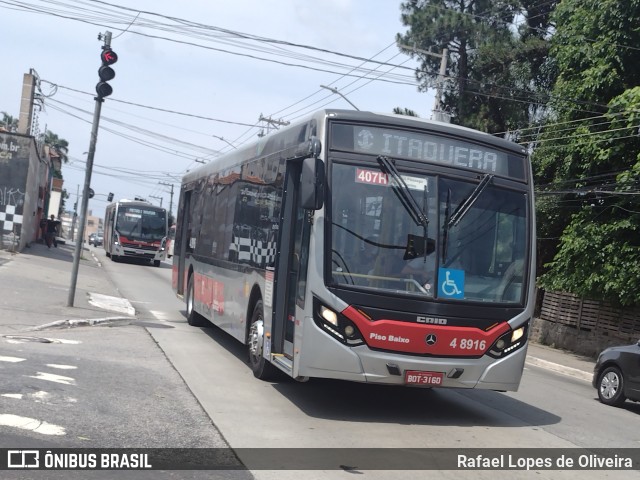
column 152, row 380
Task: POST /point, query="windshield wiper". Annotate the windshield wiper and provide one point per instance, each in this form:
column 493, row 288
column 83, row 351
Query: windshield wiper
column 460, row 211
column 403, row 193
column 445, row 228
column 468, row 202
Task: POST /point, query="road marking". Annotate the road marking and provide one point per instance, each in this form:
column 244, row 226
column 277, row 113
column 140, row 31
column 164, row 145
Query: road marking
column 107, row 302
column 51, row 377
column 23, row 339
column 160, row 315
column 63, row 340
column 61, row 367
column 96, row 259
column 40, row 397
column 32, row 424
column 12, row 359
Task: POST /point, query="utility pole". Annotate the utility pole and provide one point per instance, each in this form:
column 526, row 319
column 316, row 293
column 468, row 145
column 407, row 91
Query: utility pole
column 438, row 114
column 157, row 198
column 171, row 197
column 271, row 123
column 108, row 56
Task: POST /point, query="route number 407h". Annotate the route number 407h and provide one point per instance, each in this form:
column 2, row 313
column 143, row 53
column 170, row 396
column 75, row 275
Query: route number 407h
column 468, row 344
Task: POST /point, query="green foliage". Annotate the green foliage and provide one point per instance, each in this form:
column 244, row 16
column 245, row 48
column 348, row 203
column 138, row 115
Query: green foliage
column 598, row 259
column 496, row 72
column 8, row 122
column 405, row 111
column 59, row 145
column 588, row 154
column 506, row 56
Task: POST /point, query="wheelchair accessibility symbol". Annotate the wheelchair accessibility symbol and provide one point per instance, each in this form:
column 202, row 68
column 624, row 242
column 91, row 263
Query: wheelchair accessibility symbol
column 450, row 283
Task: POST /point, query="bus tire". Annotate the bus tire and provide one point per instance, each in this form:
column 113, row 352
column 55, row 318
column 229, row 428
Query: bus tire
column 193, row 318
column 156, row 263
column 262, row 369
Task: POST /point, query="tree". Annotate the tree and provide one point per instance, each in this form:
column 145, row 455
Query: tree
column 8, row 123
column 587, row 155
column 498, row 70
column 59, row 145
column 405, row 111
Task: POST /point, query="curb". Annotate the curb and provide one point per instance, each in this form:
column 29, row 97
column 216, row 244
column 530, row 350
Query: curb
column 70, row 323
column 556, row 367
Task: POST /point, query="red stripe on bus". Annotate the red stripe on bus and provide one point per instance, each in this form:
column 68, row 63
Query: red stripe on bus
column 209, row 292
column 425, row 339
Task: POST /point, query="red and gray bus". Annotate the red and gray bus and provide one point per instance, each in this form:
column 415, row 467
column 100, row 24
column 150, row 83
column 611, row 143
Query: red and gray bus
column 365, row 247
column 135, row 230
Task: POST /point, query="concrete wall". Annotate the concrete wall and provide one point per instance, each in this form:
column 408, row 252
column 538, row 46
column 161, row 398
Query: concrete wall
column 576, row 340
column 33, row 199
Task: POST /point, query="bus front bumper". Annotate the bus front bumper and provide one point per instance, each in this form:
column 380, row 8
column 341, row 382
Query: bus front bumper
column 328, row 358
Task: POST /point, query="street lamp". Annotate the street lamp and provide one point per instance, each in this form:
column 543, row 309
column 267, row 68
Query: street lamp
column 335, row 90
column 225, row 140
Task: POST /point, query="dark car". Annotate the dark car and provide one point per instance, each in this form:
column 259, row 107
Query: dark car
column 96, row 239
column 617, row 374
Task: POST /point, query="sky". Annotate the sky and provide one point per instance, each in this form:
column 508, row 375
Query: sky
column 193, row 78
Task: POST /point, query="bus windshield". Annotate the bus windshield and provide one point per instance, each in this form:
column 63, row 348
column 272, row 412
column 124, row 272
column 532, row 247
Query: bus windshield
column 142, row 224
column 471, row 249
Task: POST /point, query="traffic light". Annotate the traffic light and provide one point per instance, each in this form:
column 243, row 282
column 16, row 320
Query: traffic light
column 106, row 73
column 110, row 197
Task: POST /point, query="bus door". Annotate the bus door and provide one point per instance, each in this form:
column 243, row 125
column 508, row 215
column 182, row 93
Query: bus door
column 182, row 239
column 290, row 287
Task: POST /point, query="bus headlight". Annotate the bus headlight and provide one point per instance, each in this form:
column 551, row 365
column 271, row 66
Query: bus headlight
column 517, row 334
column 336, row 325
column 509, row 342
column 329, row 315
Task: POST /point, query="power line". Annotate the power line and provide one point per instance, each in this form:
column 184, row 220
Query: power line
column 192, row 115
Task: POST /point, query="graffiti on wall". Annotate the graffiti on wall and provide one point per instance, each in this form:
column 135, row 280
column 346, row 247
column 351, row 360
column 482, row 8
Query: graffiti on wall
column 14, row 169
column 11, row 202
column 7, row 150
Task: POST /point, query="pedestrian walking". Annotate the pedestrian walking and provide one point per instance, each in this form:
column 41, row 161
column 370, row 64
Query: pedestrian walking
column 51, row 231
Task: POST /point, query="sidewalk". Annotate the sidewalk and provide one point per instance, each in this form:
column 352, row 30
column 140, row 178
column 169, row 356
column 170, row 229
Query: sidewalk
column 35, row 289
column 561, row 361
column 35, row 285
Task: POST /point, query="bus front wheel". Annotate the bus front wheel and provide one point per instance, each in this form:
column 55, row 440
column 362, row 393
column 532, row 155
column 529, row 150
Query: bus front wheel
column 193, row 318
column 259, row 365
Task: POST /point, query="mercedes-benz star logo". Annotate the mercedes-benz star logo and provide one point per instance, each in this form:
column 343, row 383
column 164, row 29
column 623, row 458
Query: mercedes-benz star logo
column 431, row 339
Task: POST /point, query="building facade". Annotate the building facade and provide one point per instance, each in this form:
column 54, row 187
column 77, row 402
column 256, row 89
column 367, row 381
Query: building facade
column 25, row 185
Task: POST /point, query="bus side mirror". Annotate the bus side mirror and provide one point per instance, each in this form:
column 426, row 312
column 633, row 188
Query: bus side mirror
column 312, row 184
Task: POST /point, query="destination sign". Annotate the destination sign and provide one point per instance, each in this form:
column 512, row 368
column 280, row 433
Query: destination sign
column 426, row 147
